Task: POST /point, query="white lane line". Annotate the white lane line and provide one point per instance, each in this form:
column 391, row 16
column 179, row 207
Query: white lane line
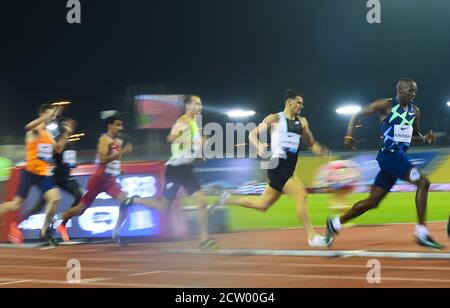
column 218, row 262
column 314, row 253
column 209, row 273
column 86, row 281
column 146, row 273
column 13, row 282
column 97, row 283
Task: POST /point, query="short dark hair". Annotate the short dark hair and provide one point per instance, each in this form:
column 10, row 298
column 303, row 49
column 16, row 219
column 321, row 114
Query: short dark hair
column 403, row 81
column 187, row 99
column 44, row 107
column 110, row 120
column 291, row 94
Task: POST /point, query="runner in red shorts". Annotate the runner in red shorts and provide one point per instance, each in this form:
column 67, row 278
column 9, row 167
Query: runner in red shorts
column 110, row 151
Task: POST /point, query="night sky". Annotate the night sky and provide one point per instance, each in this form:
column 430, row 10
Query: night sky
column 241, row 53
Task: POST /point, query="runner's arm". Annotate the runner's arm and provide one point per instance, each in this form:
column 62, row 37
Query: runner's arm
column 177, row 131
column 429, row 138
column 379, row 106
column 310, row 142
column 261, row 129
column 35, row 123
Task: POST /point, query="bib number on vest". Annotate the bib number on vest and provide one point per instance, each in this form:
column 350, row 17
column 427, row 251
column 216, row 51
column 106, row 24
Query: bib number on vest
column 291, row 142
column 113, row 168
column 45, row 152
column 70, row 158
column 403, row 133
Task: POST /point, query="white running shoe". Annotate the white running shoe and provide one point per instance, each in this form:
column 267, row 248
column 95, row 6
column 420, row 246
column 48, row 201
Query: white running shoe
column 319, row 241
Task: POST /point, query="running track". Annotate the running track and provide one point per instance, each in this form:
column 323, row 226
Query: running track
column 179, row 265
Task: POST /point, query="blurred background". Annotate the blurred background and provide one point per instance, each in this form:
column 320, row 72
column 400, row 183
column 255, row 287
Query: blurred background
column 139, row 57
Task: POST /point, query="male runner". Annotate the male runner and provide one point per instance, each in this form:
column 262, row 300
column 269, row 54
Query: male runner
column 287, row 129
column 110, row 152
column 64, row 162
column 400, row 124
column 186, row 140
column 40, row 148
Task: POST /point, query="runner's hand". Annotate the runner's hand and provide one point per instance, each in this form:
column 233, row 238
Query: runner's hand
column 127, row 149
column 430, row 137
column 349, row 143
column 262, row 149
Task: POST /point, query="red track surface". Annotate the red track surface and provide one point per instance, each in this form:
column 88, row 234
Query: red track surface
column 144, row 265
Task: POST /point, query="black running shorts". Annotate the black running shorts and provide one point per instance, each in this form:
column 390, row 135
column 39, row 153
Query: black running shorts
column 180, row 176
column 281, row 172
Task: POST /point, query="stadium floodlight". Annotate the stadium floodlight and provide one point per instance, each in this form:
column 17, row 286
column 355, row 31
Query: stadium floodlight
column 448, row 103
column 240, row 113
column 348, row 110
